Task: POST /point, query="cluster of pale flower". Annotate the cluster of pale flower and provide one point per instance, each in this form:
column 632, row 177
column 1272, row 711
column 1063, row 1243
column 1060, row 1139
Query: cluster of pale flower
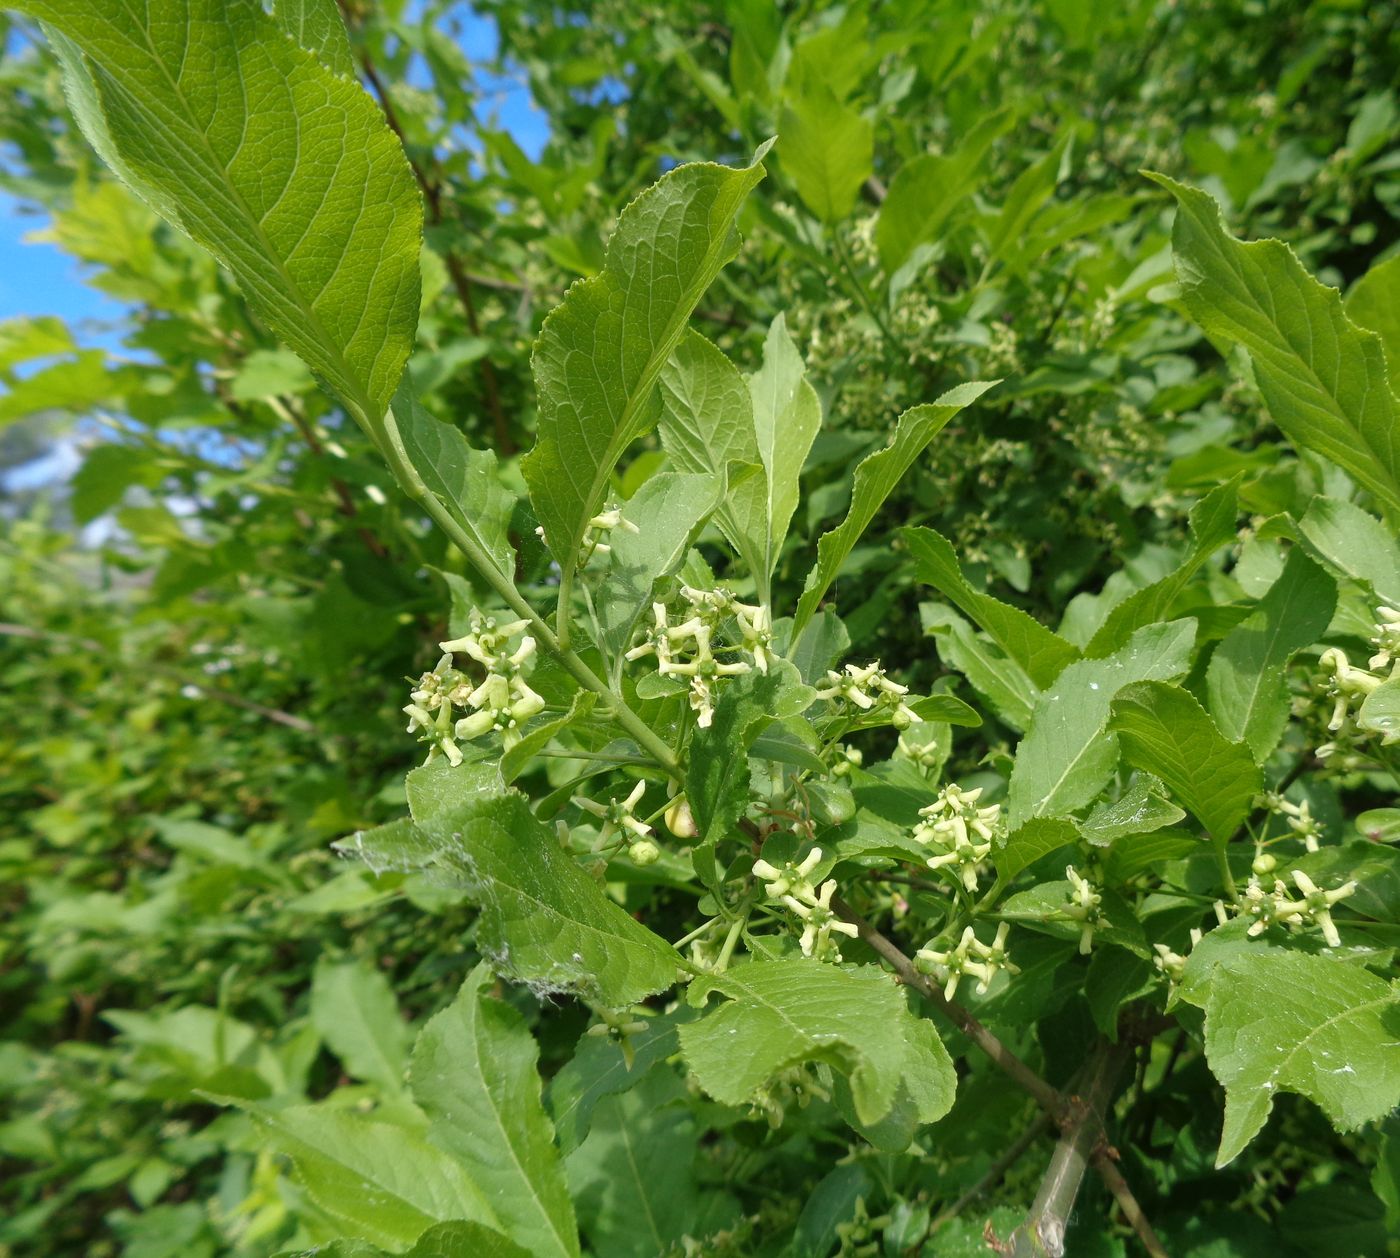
column 1348, row 686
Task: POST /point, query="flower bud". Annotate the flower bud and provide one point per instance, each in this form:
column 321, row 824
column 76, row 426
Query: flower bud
column 679, row 819
column 644, row 852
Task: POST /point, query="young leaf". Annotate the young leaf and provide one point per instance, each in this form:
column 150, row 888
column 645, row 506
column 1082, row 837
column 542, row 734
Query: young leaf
column 1066, row 757
column 281, row 168
column 1246, row 682
column 543, row 920
column 354, row 1012
column 1163, row 730
column 474, row 1075
column 667, row 512
column 786, row 417
column 1139, row 810
column 1212, row 526
column 707, row 425
column 999, row 680
column 463, row 478
column 1287, row 1021
column 383, row 1183
column 1353, row 543
column 599, row 354
column 828, row 150
column 1040, row 651
column 926, row 191
column 875, row 478
column 782, row 1013
column 1323, row 378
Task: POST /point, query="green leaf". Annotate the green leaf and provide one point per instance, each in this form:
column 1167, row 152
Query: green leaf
column 828, row 150
column 24, row 339
column 1116, row 976
column 999, row 680
column 1380, row 712
column 599, row 353
column 783, row 1013
column 600, row 1068
column 1066, row 757
column 633, row 1178
column 925, row 192
column 474, row 1075
column 462, row 478
column 316, row 25
column 1139, row 810
column 437, row 787
column 543, row 920
column 1212, row 526
column 874, row 480
column 1028, row 843
column 1038, row 650
column 442, row 1240
column 1374, row 304
column 667, row 511
column 383, row 1183
column 1034, row 186
column 1246, row 682
column 707, row 425
column 1163, row 730
column 1353, row 543
column 717, row 776
column 786, row 417
column 354, row 1012
column 1323, row 378
column 282, row 169
column 517, row 758
column 1280, row 1021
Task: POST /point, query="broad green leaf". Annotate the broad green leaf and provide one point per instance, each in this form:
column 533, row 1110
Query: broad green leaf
column 783, row 1013
column 1038, row 650
column 1246, row 682
column 1212, row 526
column 1028, row 843
column 1139, row 810
column 1353, row 543
column 786, row 417
column 23, row 339
column 462, row 478
column 707, row 425
column 1281, row 1021
column 376, row 1181
column 1380, row 713
column 924, row 1095
column 599, row 354
column 317, row 26
column 354, row 1011
column 474, row 1073
column 1323, row 378
column 828, row 150
column 875, row 478
column 667, row 512
column 600, row 1068
column 633, row 1178
column 76, row 386
column 442, row 1240
column 1374, row 304
column 1163, row 730
column 1067, row 756
column 1116, row 976
column 717, row 776
column 543, row 920
column 517, row 758
column 926, row 191
column 285, row 171
column 437, row 787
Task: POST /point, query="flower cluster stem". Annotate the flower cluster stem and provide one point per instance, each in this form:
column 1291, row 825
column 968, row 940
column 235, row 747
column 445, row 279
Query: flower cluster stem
column 391, row 445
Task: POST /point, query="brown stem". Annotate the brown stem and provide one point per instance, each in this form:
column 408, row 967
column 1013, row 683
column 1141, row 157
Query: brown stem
column 1112, row 1177
column 994, row 1172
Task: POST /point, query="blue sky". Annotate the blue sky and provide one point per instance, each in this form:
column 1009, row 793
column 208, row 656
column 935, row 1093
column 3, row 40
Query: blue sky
column 38, row 279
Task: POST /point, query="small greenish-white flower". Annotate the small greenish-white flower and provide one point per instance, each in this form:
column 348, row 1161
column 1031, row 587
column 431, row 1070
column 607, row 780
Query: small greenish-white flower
column 1348, row 686
column 820, row 922
column 1170, row 963
column 867, row 688
column 1318, row 904
column 844, row 759
column 1083, row 907
column 597, row 530
column 959, row 832
column 793, row 878
column 619, row 1026
column 970, row 956
column 618, row 816
column 1386, row 640
column 1265, row 908
column 435, row 730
